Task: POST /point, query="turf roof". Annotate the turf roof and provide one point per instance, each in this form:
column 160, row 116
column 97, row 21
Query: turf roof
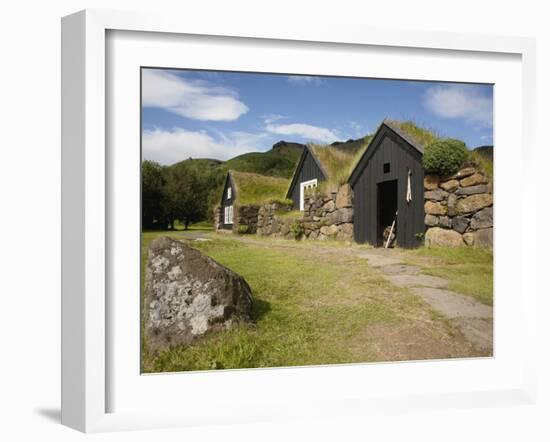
column 336, row 163
column 254, row 189
column 417, row 136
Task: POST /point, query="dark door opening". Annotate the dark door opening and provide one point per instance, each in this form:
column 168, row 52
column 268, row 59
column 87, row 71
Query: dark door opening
column 387, row 207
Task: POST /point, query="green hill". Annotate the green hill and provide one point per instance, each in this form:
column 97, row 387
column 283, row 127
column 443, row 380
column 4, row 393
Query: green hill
column 278, row 162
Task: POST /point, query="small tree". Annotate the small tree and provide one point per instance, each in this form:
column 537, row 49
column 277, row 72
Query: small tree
column 187, row 195
column 445, row 156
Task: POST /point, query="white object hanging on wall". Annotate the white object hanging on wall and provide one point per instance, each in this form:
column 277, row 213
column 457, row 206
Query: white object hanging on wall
column 409, row 191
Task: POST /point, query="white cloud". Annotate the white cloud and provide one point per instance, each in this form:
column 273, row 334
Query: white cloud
column 304, row 80
column 196, row 99
column 357, row 129
column 310, row 133
column 462, row 102
column 171, row 146
column 272, row 118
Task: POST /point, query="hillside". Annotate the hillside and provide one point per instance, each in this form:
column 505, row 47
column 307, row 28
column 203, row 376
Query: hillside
column 485, row 151
column 351, row 146
column 278, row 162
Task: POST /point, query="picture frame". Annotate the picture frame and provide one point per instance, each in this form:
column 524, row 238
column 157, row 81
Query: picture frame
column 87, row 216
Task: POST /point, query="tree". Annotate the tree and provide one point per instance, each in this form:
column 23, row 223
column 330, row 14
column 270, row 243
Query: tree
column 153, row 194
column 187, row 194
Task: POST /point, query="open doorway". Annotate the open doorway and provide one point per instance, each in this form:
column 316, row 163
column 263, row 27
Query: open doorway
column 387, row 208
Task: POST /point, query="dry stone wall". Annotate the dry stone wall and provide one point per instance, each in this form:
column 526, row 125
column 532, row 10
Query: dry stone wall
column 218, row 217
column 326, row 215
column 329, row 215
column 459, row 209
column 245, row 219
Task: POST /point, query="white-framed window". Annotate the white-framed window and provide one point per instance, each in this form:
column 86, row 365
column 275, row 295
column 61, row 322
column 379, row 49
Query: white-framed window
column 303, row 187
column 228, row 215
column 229, row 193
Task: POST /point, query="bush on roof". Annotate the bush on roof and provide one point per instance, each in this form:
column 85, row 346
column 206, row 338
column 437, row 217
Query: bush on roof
column 444, row 156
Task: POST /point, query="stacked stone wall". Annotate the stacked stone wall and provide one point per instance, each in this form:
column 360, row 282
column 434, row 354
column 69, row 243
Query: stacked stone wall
column 459, row 209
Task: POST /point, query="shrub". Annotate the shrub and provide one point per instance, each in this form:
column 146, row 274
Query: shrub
column 297, row 229
column 445, row 156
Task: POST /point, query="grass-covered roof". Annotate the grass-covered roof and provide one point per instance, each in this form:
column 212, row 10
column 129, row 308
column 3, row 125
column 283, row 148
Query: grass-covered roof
column 336, row 162
column 254, row 189
column 418, row 136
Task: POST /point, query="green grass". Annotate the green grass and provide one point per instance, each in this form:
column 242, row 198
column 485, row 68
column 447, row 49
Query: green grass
column 279, row 163
column 201, row 225
column 253, row 189
column 468, row 269
column 421, row 135
column 289, row 214
column 482, row 162
column 305, row 311
column 337, row 163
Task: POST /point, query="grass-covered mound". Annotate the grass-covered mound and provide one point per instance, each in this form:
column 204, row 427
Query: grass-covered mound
column 256, row 189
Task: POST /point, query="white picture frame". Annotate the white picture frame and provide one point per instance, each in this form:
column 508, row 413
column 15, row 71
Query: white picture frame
column 86, row 217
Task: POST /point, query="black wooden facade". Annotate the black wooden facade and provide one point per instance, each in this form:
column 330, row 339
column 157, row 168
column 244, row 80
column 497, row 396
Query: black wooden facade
column 379, row 183
column 228, row 202
column 308, row 168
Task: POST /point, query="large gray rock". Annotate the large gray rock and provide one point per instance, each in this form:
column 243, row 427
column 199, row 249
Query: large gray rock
column 188, row 294
column 482, row 219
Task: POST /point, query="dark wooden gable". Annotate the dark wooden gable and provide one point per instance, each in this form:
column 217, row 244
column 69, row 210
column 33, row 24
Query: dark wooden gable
column 225, row 202
column 389, row 157
column 308, row 168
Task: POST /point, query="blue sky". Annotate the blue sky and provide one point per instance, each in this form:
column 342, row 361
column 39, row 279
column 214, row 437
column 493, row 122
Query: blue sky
column 220, row 115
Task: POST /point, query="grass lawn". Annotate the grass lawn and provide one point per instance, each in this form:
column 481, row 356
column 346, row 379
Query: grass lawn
column 468, row 269
column 314, row 304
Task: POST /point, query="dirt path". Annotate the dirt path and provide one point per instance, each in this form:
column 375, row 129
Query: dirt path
column 472, row 318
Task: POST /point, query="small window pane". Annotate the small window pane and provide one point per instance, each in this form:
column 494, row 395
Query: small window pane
column 386, row 167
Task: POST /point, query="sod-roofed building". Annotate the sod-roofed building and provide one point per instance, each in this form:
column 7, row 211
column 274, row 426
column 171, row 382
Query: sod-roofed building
column 388, row 185
column 385, row 180
column 243, row 194
column 328, row 164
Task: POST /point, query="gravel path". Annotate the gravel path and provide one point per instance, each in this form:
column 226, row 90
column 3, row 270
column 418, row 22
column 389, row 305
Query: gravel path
column 472, row 318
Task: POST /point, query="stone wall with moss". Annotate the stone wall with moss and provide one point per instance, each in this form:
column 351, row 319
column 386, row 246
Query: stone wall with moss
column 326, row 215
column 459, row 209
